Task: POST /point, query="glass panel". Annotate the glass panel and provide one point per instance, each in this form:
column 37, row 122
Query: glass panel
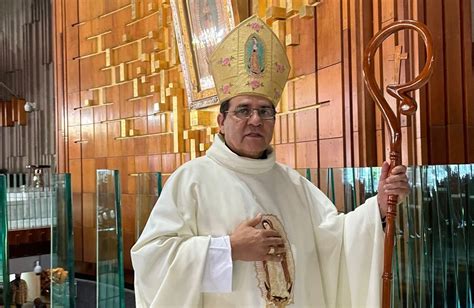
column 149, row 187
column 110, row 275
column 4, row 275
column 434, row 249
column 62, row 244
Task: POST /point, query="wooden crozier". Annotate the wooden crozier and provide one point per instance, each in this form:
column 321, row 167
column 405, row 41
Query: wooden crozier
column 407, row 107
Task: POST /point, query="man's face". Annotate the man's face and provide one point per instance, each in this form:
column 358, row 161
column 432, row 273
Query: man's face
column 247, row 137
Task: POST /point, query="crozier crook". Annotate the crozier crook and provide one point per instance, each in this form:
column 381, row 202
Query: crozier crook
column 407, row 107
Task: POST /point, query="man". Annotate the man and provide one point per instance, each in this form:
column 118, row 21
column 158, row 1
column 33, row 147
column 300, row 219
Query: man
column 236, row 229
column 19, row 291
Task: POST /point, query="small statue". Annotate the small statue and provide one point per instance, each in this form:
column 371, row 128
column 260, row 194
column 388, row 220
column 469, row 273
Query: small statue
column 38, row 178
column 58, row 275
column 19, row 291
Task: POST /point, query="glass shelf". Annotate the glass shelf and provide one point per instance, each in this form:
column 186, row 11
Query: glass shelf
column 143, row 136
column 93, row 106
column 110, row 272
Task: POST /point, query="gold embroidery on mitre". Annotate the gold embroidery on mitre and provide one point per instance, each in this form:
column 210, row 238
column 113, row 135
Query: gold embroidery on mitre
column 276, row 279
column 252, row 60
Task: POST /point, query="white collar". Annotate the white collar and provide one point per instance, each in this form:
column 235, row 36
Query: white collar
column 221, row 154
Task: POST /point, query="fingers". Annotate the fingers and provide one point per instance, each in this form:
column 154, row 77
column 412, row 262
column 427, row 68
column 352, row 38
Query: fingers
column 273, row 241
column 396, row 185
column 280, row 249
column 254, row 221
column 272, row 258
column 400, row 189
column 269, row 233
column 399, row 170
column 278, row 254
column 399, row 178
column 385, row 169
column 398, row 174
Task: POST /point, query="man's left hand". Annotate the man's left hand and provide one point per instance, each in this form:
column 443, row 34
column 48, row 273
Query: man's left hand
column 394, row 184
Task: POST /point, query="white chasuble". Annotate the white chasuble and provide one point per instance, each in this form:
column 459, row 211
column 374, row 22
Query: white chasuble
column 334, row 260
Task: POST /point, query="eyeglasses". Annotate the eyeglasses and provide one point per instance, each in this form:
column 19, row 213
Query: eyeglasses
column 265, row 113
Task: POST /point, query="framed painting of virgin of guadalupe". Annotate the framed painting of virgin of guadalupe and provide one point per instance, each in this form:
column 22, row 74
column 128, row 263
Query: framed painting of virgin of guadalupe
column 200, row 25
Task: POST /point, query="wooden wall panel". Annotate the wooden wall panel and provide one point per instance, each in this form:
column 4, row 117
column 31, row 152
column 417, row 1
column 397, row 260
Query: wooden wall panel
column 89, row 210
column 305, row 91
column 307, row 154
column 74, row 144
column 100, row 135
column 284, row 128
column 154, row 145
column 72, row 37
column 89, row 235
column 334, row 150
column 437, row 111
column 346, row 91
column 306, row 126
column 89, row 9
column 168, row 163
column 291, row 127
column 468, row 75
column 303, row 55
column 127, row 169
column 331, row 115
column 77, row 210
column 453, row 73
column 361, row 21
column 75, row 168
column 154, row 163
column 326, row 57
column 113, row 131
column 87, row 115
column 88, row 147
column 387, row 10
column 100, row 115
column 78, row 244
column 285, row 153
column 329, row 33
column 88, row 175
column 277, row 131
column 128, row 241
column 114, row 163
column 128, row 210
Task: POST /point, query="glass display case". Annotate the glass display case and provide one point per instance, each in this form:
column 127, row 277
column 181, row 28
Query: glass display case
column 433, row 263
column 149, row 187
column 62, row 244
column 110, row 272
column 4, row 275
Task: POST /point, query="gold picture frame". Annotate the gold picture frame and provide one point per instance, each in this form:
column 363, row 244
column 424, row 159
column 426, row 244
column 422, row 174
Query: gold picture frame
column 200, row 25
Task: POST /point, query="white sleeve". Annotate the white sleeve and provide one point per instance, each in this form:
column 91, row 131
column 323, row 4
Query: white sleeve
column 217, row 276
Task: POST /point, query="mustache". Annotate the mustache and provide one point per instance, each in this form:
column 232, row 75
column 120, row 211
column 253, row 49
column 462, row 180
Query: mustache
column 254, row 131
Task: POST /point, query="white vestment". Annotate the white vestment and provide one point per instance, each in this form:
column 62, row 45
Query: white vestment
column 337, row 258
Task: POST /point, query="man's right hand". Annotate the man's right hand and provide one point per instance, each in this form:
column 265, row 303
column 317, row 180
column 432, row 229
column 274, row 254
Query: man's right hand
column 251, row 244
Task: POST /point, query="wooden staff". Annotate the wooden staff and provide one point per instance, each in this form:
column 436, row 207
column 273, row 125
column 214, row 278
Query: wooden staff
column 407, row 107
